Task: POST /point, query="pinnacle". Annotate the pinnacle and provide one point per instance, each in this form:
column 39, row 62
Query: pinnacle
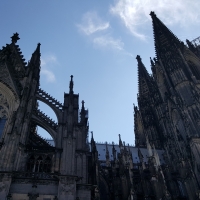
column 83, row 102
column 71, row 84
column 15, row 37
column 162, row 35
column 152, row 14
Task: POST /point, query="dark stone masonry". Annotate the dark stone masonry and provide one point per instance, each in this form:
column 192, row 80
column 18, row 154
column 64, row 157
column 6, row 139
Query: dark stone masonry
column 164, row 164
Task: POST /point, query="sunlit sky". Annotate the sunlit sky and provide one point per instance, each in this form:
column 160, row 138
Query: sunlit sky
column 96, row 42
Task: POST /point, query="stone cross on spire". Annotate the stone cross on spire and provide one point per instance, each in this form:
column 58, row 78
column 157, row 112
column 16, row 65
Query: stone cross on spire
column 15, row 37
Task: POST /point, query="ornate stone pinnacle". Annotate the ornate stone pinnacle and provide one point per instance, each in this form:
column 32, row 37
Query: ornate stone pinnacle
column 152, row 14
column 15, row 37
column 71, row 84
column 83, row 103
column 138, row 58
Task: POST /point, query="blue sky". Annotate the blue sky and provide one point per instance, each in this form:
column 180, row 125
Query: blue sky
column 97, row 42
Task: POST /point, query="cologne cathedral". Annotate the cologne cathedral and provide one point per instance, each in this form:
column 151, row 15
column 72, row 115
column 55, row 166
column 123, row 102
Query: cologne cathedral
column 164, row 164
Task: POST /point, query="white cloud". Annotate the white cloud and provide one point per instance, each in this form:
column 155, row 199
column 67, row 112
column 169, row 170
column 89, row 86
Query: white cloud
column 46, row 62
column 97, row 31
column 50, row 77
column 135, row 13
column 109, row 42
column 48, row 59
column 91, row 24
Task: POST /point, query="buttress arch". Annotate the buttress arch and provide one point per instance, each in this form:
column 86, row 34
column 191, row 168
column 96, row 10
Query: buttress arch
column 51, row 102
column 47, row 128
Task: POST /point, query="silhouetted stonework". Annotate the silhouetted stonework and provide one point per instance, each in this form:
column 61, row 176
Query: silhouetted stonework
column 164, row 164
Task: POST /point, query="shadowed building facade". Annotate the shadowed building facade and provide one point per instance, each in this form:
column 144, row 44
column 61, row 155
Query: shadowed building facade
column 164, row 164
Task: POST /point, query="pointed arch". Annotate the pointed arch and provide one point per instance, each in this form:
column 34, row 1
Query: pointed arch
column 57, row 112
column 51, row 132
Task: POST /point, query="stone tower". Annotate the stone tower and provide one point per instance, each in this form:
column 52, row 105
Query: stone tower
column 30, row 168
column 164, row 164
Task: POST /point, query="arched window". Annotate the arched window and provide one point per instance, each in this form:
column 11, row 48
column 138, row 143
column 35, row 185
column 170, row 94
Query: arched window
column 31, row 164
column 47, row 165
column 39, row 164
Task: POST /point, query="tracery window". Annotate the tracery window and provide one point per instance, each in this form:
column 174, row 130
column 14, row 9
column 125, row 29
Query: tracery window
column 39, row 164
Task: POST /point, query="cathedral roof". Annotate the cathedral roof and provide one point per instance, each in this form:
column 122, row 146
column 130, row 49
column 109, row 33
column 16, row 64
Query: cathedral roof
column 101, row 148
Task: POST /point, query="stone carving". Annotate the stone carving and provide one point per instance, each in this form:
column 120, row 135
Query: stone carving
column 4, row 75
column 67, row 189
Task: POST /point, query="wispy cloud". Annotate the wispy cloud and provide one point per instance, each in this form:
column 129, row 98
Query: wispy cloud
column 98, row 32
column 92, row 23
column 50, row 77
column 109, row 42
column 46, row 62
column 135, row 13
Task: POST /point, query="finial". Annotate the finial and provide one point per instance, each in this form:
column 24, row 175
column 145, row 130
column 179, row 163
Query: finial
column 38, row 48
column 138, row 59
column 71, row 84
column 119, row 137
column 83, row 104
column 15, row 37
column 120, row 141
column 92, row 135
column 152, row 14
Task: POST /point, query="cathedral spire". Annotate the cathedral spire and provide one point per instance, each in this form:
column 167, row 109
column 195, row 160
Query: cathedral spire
column 143, row 77
column 35, row 62
column 83, row 113
column 163, row 36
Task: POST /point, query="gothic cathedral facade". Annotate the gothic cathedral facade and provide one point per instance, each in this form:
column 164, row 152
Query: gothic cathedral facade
column 164, row 164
